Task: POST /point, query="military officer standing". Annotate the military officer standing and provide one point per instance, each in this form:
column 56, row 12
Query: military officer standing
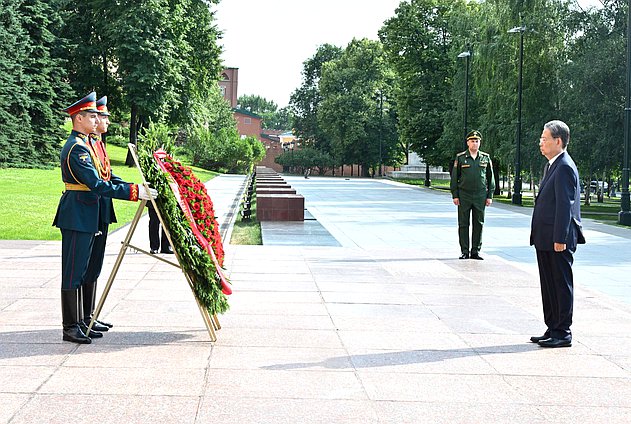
column 106, row 217
column 78, row 211
column 472, row 186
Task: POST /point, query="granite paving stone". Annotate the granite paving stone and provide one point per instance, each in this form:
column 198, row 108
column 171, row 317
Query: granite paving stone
column 224, row 410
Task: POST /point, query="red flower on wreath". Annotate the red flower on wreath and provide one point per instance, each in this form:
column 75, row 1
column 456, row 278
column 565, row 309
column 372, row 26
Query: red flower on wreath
column 194, row 192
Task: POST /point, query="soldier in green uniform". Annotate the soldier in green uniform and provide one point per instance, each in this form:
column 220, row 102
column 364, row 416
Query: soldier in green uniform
column 472, row 186
column 78, row 211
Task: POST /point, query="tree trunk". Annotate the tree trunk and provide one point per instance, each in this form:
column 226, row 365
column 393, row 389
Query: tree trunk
column 496, row 176
column 105, row 88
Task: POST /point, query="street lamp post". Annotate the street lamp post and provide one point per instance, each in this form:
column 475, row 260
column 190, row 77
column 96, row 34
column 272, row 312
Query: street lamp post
column 624, row 216
column 517, row 183
column 380, row 131
column 466, row 54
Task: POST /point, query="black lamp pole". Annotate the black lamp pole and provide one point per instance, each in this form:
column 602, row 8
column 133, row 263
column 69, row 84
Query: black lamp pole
column 516, row 200
column 380, row 132
column 466, row 54
column 624, row 216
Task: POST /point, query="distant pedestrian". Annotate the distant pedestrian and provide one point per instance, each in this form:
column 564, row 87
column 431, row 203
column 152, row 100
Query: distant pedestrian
column 555, row 232
column 307, row 172
column 472, row 186
column 155, row 240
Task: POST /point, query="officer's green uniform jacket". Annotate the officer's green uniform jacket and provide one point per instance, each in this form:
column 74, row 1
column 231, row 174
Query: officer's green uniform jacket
column 472, row 179
column 80, row 204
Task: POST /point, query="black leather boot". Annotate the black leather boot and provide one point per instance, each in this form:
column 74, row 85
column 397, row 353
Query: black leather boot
column 88, row 291
column 70, row 316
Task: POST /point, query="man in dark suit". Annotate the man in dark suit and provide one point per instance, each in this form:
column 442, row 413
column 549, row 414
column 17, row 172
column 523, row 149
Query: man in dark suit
column 555, row 232
column 78, row 211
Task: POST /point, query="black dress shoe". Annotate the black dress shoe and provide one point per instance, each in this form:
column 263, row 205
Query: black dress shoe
column 104, row 324
column 477, row 256
column 168, row 250
column 97, row 326
column 74, row 334
column 552, row 342
column 537, row 339
column 93, row 333
column 464, row 256
column 153, row 251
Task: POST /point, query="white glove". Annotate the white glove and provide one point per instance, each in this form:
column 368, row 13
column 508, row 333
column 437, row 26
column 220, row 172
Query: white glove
column 142, row 193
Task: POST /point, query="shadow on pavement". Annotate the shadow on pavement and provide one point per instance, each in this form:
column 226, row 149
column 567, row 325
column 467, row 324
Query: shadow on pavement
column 406, row 357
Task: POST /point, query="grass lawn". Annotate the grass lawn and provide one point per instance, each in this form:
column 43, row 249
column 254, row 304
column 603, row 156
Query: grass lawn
column 247, row 232
column 29, row 198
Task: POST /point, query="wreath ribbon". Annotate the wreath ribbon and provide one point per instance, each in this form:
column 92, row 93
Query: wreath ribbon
column 159, row 156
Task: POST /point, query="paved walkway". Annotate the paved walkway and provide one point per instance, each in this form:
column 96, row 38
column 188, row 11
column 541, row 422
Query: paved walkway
column 386, row 327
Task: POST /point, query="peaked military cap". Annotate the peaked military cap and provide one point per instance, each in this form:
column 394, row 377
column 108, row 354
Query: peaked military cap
column 101, row 106
column 474, row 134
column 87, row 104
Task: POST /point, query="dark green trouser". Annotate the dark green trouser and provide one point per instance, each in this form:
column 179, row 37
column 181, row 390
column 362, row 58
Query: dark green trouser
column 465, row 210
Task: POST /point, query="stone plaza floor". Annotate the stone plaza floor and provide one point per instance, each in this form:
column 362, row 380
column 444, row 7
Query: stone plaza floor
column 361, row 314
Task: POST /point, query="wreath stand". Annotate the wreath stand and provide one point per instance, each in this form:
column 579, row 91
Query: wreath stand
column 211, row 322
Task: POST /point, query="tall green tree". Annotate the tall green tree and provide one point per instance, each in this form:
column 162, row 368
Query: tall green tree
column 14, row 120
column 45, row 78
column 495, row 75
column 162, row 56
column 33, row 83
column 594, row 95
column 273, row 117
column 417, row 41
column 353, row 88
column 305, row 101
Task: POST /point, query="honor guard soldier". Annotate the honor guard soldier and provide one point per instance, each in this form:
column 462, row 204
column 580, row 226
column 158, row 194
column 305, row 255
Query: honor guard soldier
column 78, row 211
column 472, row 186
column 106, row 216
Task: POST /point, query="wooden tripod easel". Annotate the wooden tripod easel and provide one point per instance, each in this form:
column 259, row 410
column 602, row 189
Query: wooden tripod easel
column 211, row 322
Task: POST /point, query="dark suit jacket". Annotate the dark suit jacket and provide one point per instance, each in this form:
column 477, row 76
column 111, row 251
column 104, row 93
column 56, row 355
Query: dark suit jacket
column 557, row 214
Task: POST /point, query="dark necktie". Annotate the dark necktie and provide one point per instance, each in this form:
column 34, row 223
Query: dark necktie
column 545, row 171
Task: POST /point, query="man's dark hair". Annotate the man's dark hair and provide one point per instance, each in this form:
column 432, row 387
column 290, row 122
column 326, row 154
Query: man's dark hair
column 559, row 129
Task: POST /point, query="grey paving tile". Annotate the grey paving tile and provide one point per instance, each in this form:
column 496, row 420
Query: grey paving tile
column 384, row 311
column 546, row 363
column 272, row 286
column 11, row 403
column 401, row 324
column 570, row 392
column 126, row 381
column 296, row 384
column 223, row 410
column 280, row 308
column 458, row 412
column 45, row 408
column 34, row 354
column 274, row 337
column 248, row 298
column 588, row 414
column 168, row 356
column 416, row 387
column 422, row 360
column 23, row 379
column 371, row 297
column 299, row 322
column 280, row 358
column 356, row 340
